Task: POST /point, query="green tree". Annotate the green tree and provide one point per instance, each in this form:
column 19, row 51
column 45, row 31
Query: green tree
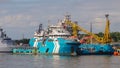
column 24, row 41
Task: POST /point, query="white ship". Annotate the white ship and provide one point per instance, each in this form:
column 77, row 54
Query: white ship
column 6, row 44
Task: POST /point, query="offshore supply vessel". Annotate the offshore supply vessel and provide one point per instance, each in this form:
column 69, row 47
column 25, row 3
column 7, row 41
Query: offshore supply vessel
column 62, row 39
column 57, row 39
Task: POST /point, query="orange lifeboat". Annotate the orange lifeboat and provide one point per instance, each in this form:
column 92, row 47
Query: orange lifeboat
column 117, row 52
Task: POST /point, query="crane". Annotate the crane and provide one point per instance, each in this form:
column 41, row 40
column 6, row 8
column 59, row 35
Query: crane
column 107, row 37
column 75, row 27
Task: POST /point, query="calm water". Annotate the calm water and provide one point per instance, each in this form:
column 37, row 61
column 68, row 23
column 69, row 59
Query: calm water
column 43, row 61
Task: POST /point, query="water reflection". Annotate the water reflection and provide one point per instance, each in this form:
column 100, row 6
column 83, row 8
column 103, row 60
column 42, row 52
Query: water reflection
column 52, row 61
column 56, row 61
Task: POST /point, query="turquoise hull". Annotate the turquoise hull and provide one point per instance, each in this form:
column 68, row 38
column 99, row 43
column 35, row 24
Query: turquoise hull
column 62, row 46
column 58, row 46
column 87, row 49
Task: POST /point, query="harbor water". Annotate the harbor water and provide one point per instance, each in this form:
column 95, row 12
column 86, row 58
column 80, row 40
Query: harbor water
column 55, row 61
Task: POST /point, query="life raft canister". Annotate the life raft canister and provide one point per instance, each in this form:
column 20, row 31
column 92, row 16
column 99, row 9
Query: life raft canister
column 116, row 53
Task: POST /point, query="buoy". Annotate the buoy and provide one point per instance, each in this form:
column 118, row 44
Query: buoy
column 116, row 53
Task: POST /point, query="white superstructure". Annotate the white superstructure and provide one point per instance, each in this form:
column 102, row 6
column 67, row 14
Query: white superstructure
column 54, row 31
column 58, row 31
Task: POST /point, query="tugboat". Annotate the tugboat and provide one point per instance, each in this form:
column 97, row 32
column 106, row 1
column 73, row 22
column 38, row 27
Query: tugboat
column 6, row 44
column 55, row 40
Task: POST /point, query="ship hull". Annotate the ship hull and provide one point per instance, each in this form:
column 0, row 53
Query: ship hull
column 6, row 49
column 56, row 46
column 49, row 46
column 95, row 49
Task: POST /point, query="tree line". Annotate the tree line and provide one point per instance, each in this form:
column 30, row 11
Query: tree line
column 24, row 41
column 114, row 35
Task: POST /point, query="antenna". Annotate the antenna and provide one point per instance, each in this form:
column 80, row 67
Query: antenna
column 67, row 16
column 40, row 28
column 91, row 31
column 23, row 36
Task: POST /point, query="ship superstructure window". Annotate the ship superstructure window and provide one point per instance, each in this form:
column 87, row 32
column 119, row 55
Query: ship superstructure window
column 50, row 40
column 60, row 31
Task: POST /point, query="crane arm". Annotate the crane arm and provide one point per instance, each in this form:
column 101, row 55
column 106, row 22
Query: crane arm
column 68, row 22
column 105, row 39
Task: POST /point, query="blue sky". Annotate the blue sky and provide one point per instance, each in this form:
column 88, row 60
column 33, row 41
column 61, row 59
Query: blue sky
column 20, row 17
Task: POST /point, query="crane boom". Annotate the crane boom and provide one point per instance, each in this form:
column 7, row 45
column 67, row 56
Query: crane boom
column 75, row 27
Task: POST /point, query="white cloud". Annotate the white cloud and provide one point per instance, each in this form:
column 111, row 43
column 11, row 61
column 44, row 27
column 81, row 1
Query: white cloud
column 99, row 20
column 15, row 20
column 30, row 13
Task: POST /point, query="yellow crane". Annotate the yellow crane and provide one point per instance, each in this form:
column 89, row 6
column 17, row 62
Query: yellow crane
column 75, row 27
column 107, row 37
